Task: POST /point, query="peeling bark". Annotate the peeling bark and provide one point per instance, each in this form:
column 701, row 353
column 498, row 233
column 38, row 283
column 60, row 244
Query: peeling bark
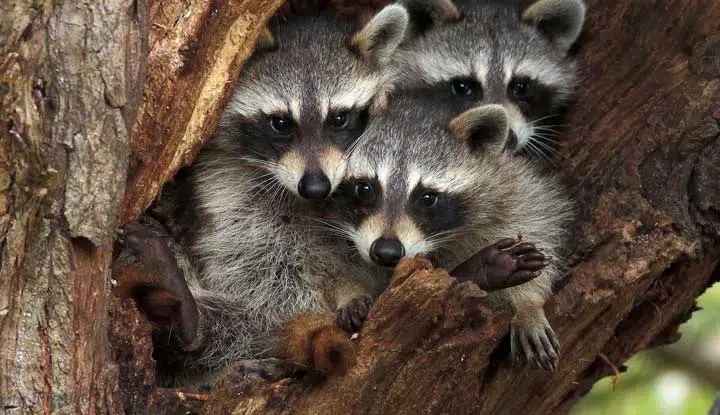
column 197, row 49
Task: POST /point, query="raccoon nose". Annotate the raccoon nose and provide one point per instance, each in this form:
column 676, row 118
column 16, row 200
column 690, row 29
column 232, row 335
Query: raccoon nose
column 512, row 142
column 386, row 252
column 314, row 185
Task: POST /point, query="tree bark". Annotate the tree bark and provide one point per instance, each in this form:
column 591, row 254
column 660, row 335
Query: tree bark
column 68, row 99
column 197, row 50
column 642, row 158
column 70, row 90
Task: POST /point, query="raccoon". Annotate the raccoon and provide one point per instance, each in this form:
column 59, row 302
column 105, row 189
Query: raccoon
column 423, row 182
column 305, row 96
column 254, row 254
column 494, row 52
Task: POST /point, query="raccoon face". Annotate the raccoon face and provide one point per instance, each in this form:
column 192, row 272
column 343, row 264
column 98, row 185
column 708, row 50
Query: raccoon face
column 409, row 198
column 305, row 96
column 497, row 55
column 400, row 219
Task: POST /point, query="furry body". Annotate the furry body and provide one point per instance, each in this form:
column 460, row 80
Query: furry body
column 254, row 254
column 449, row 190
column 491, row 52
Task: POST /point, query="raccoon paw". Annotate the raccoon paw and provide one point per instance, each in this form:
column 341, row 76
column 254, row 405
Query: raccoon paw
column 267, row 370
column 352, row 315
column 506, row 263
column 158, row 287
column 536, row 345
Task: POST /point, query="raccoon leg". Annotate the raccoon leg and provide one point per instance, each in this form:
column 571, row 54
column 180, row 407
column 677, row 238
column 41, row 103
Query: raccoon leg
column 351, row 302
column 504, row 264
column 531, row 337
column 271, row 369
column 315, row 341
column 159, row 289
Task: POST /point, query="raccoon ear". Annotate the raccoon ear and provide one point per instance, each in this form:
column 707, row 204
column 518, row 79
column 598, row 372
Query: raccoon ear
column 425, row 14
column 559, row 20
column 265, row 41
column 482, row 127
column 380, row 37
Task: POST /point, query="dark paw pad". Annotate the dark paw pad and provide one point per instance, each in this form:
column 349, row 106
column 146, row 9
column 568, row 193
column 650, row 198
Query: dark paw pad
column 504, row 264
column 537, row 346
column 351, row 316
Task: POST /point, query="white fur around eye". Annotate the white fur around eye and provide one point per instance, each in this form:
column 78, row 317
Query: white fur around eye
column 544, row 71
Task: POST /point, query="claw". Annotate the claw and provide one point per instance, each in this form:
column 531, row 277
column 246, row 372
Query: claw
column 538, row 346
column 522, row 248
column 532, row 256
column 352, row 316
column 505, row 243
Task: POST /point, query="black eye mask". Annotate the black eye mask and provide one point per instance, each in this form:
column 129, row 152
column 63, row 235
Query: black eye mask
column 434, row 211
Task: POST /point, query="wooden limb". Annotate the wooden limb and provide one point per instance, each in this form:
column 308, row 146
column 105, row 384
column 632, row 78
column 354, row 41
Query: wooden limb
column 642, row 159
column 196, row 52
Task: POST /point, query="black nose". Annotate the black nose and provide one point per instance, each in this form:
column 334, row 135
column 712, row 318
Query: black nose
column 386, row 252
column 512, row 141
column 314, row 185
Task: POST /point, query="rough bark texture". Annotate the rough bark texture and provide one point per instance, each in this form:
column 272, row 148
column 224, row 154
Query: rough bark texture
column 643, row 160
column 197, row 49
column 70, row 87
column 67, row 96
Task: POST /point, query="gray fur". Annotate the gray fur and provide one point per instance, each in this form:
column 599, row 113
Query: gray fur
column 379, row 39
column 562, row 20
column 491, row 43
column 313, row 72
column 503, row 195
column 257, row 255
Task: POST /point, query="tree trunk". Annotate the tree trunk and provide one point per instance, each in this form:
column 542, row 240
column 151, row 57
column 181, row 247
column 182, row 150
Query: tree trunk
column 69, row 76
column 642, row 158
column 69, row 87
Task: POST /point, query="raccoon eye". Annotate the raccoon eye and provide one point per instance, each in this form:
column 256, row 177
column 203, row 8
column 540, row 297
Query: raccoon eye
column 521, row 89
column 281, row 124
column 428, row 200
column 464, row 87
column 339, row 120
column 365, row 192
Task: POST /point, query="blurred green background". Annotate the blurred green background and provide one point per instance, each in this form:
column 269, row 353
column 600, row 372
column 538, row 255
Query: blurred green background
column 680, row 379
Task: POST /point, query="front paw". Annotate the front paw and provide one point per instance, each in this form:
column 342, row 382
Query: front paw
column 507, row 263
column 535, row 344
column 352, row 315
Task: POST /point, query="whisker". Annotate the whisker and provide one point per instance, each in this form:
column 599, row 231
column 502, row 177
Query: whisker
column 543, row 143
column 531, row 145
column 546, row 138
column 537, row 120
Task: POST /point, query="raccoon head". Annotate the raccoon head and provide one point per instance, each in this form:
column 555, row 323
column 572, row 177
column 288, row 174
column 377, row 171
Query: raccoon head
column 496, row 54
column 304, row 96
column 417, row 188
